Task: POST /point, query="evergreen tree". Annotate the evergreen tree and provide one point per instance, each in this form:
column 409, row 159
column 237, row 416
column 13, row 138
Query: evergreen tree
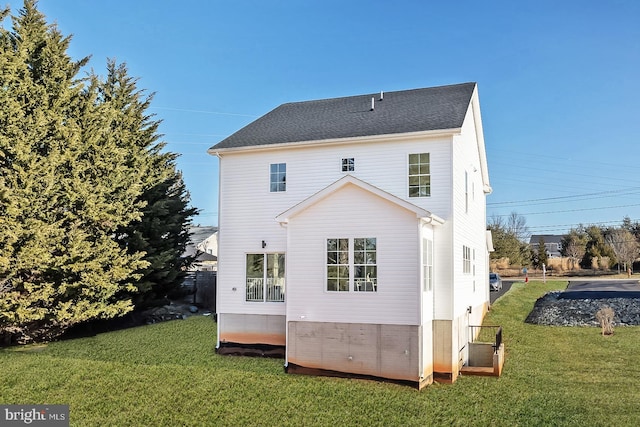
column 540, row 256
column 162, row 231
column 597, row 249
column 506, row 243
column 79, row 166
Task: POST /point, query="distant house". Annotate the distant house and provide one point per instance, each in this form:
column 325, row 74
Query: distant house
column 353, row 233
column 203, row 242
column 552, row 244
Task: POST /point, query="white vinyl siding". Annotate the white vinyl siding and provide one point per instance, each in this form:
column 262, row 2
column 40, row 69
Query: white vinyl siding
column 469, row 223
column 398, row 289
column 248, row 212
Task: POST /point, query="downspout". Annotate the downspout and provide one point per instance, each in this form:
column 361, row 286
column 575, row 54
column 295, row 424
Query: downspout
column 284, row 224
column 219, row 156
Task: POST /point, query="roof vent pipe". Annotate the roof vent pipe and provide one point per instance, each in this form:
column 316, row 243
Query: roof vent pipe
column 373, row 103
column 381, row 95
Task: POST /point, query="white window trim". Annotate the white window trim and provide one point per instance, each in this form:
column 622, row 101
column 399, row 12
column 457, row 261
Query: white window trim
column 276, row 288
column 353, row 164
column 466, row 259
column 351, row 266
column 271, row 183
column 427, row 264
column 407, row 170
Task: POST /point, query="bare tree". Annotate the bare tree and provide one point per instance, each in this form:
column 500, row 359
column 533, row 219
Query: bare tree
column 624, row 245
column 517, row 226
column 574, row 250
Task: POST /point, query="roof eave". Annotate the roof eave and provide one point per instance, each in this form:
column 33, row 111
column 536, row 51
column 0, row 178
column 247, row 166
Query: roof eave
column 336, row 141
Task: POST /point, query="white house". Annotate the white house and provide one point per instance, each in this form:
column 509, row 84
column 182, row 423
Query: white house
column 352, row 231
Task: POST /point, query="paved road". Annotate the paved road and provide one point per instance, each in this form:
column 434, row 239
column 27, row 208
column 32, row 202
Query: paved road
column 506, row 285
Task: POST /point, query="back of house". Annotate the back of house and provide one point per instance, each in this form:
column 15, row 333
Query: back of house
column 352, row 233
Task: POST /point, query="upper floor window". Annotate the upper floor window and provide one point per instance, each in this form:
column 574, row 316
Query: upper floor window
column 278, row 177
column 419, row 175
column 352, row 265
column 348, row 164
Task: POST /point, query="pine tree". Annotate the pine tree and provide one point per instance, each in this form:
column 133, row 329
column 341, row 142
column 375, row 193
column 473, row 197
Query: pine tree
column 162, row 231
column 79, row 165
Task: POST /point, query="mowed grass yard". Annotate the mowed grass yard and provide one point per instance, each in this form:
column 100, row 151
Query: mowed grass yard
column 168, row 375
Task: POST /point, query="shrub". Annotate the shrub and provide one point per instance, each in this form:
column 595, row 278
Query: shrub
column 605, row 317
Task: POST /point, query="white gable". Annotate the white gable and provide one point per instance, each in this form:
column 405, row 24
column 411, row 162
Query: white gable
column 351, row 180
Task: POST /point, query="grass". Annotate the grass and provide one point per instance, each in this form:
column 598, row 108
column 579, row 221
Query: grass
column 168, row 375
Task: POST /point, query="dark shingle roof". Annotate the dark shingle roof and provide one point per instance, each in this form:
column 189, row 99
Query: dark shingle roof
column 548, row 238
column 415, row 110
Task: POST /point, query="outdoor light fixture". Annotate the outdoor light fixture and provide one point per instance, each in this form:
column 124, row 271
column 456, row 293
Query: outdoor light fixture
column 264, row 244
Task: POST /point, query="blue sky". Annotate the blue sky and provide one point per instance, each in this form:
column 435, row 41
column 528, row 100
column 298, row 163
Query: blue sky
column 558, row 82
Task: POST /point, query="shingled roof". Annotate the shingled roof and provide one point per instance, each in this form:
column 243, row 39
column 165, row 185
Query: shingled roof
column 416, row 110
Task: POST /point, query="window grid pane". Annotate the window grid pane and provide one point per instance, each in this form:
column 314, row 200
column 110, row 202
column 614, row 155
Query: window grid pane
column 338, row 265
column 265, row 284
column 278, row 177
column 365, row 270
column 466, row 259
column 419, row 175
column 348, row 164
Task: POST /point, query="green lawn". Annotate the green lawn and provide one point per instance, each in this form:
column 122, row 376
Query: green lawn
column 168, row 375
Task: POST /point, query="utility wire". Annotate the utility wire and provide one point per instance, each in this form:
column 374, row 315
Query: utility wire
column 558, row 199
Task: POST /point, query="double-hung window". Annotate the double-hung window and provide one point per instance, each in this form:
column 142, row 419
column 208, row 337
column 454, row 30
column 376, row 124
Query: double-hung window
column 338, row 264
column 278, row 177
column 265, row 277
column 352, row 265
column 466, row 259
column 419, row 175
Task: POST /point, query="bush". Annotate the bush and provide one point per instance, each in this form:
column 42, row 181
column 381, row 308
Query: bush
column 605, row 317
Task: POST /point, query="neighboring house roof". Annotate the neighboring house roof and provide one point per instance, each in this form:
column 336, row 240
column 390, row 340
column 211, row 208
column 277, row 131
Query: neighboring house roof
column 206, row 257
column 201, row 233
column 197, row 235
column 548, row 238
column 351, row 180
column 416, row 110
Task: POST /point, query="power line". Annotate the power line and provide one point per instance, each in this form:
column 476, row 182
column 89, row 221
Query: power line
column 222, row 113
column 574, row 210
column 586, row 196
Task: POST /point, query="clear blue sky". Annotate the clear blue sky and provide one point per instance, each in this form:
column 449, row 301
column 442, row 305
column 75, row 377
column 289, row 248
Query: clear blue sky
column 559, row 81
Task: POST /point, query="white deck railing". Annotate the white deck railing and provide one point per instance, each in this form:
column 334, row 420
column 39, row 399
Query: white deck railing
column 274, row 290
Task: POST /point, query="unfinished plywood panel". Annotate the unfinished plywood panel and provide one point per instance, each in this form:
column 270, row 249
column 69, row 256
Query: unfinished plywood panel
column 252, row 329
column 385, row 351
